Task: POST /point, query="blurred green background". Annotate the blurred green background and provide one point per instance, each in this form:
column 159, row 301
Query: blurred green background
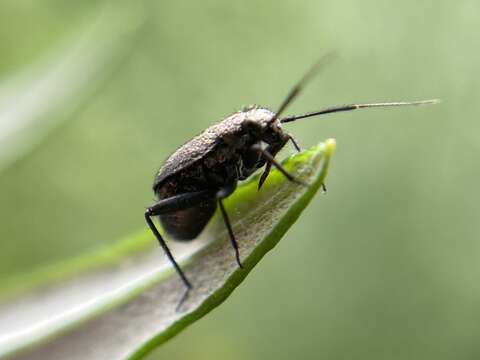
column 385, row 266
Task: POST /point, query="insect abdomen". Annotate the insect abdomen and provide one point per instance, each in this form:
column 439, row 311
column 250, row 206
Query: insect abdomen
column 185, row 225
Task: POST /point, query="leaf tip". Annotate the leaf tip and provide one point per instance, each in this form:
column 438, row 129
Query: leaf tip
column 330, row 146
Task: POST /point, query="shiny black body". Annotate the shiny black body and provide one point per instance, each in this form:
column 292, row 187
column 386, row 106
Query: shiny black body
column 204, row 171
column 217, row 158
column 196, row 178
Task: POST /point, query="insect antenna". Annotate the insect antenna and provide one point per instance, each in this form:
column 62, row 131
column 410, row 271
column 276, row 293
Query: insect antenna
column 349, row 107
column 301, row 84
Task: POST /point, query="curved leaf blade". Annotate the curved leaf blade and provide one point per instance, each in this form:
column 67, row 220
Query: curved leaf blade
column 127, row 305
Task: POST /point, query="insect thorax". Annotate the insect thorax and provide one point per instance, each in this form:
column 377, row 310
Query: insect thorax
column 216, row 152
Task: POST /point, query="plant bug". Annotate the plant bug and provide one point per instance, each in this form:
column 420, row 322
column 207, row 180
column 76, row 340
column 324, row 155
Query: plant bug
column 198, row 176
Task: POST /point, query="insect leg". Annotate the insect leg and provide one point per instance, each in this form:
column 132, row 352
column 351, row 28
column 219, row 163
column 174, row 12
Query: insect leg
column 272, row 150
column 222, row 194
column 270, row 159
column 268, row 167
column 294, row 142
column 171, row 204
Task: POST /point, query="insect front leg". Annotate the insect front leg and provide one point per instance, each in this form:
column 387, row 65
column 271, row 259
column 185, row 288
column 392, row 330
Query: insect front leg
column 294, row 142
column 297, row 147
column 268, row 166
column 222, row 194
column 271, row 160
column 174, row 203
column 272, row 150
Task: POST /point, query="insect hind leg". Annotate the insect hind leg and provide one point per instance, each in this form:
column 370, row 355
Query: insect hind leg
column 172, row 204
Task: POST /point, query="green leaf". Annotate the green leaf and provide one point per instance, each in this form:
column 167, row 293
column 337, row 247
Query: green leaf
column 120, row 302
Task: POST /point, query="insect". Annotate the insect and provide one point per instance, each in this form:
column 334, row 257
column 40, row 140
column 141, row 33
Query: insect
column 198, row 176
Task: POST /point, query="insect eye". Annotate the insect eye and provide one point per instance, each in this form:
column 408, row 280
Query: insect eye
column 276, row 126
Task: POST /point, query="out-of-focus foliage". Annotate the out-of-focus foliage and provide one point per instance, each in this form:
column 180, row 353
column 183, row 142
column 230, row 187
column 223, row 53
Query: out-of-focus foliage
column 391, row 272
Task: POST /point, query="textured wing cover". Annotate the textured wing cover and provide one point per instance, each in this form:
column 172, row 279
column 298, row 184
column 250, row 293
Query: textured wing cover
column 202, row 144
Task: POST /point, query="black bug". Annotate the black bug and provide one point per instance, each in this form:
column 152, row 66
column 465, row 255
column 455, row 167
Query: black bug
column 200, row 174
